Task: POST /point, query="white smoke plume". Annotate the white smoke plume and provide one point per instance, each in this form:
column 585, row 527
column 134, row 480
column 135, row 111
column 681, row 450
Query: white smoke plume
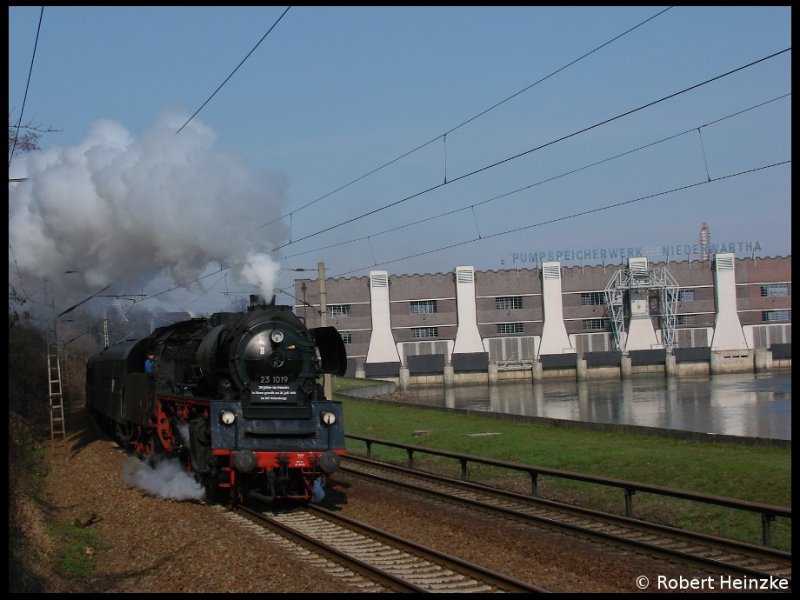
column 126, row 210
column 167, row 480
column 260, row 270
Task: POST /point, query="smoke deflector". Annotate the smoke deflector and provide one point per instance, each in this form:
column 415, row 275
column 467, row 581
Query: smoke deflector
column 331, row 350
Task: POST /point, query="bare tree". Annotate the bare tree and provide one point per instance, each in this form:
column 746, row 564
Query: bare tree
column 25, row 138
column 28, row 142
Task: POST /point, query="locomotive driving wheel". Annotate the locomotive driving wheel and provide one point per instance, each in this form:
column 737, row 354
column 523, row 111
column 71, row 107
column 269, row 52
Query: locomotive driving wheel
column 151, row 450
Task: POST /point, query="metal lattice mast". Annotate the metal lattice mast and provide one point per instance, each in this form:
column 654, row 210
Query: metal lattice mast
column 627, row 279
column 668, row 288
column 105, row 329
column 615, row 301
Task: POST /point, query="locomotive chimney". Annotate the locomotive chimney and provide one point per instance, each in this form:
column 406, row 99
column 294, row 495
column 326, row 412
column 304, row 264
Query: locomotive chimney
column 256, row 300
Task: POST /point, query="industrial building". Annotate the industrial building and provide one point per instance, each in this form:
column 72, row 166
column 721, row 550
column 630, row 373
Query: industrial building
column 720, row 313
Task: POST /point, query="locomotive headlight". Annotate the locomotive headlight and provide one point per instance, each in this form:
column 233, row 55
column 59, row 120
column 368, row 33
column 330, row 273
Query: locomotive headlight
column 276, row 336
column 327, row 418
column 227, row 417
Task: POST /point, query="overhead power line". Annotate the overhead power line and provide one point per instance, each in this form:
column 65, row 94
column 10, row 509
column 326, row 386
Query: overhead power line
column 629, row 112
column 234, row 71
column 74, row 306
column 535, row 149
column 571, row 216
column 541, row 182
column 469, row 120
column 522, row 154
column 27, row 85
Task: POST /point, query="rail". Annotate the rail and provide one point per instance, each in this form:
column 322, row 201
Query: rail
column 768, row 512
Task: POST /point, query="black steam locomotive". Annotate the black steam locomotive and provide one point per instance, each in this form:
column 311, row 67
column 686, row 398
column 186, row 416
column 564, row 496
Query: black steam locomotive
column 234, row 396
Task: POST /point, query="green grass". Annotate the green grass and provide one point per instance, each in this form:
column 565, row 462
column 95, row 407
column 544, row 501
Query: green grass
column 72, row 542
column 758, row 474
column 340, row 384
column 34, row 465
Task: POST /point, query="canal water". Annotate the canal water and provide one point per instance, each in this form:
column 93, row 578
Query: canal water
column 747, row 404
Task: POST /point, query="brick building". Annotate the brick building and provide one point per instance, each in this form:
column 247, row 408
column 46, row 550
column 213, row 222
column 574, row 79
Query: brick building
column 553, row 314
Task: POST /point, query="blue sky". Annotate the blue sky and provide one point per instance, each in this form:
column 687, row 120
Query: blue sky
column 333, row 93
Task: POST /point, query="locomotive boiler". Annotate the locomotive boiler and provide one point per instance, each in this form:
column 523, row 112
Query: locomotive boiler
column 235, row 396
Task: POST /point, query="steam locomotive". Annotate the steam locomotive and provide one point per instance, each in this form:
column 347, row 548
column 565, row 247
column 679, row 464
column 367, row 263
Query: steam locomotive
column 235, row 396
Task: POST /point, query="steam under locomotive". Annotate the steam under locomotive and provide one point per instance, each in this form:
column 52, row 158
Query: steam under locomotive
column 234, row 396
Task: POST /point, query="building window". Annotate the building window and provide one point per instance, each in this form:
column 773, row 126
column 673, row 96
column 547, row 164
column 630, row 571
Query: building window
column 510, row 327
column 686, row 320
column 508, row 302
column 423, row 307
column 774, row 315
column 593, row 298
column 338, row 310
column 347, row 337
column 686, row 295
column 773, row 290
column 595, row 324
column 424, row 332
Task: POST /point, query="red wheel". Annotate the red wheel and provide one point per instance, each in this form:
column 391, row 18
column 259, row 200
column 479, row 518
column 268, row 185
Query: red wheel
column 151, row 450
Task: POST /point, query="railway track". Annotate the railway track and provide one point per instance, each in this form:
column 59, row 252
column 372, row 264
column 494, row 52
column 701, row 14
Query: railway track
column 714, row 555
column 384, row 561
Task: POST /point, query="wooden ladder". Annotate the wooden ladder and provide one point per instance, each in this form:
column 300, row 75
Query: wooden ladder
column 58, row 433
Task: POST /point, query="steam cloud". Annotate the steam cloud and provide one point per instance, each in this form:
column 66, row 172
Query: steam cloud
column 127, row 211
column 167, row 480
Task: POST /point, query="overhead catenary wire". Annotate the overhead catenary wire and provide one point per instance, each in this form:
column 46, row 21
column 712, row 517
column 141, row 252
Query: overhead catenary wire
column 204, row 292
column 27, row 85
column 178, row 287
column 479, row 237
column 443, row 136
column 703, row 150
column 25, row 294
column 510, row 158
column 572, row 216
column 234, row 71
column 536, row 148
column 302, row 302
column 547, row 180
column 527, row 152
column 74, row 306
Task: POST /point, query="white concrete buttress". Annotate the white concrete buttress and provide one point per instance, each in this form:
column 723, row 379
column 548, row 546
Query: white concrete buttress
column 468, row 338
column 728, row 333
column 554, row 333
column 382, row 348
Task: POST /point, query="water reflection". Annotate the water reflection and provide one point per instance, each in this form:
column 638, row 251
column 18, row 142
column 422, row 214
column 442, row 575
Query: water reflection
column 754, row 405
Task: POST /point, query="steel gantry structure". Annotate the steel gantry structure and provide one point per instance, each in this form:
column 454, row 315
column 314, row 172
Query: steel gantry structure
column 640, row 277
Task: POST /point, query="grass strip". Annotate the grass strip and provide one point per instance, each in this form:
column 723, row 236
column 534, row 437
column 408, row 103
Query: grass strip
column 754, row 473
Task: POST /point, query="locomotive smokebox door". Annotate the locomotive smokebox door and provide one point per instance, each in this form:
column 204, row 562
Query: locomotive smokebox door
column 331, row 350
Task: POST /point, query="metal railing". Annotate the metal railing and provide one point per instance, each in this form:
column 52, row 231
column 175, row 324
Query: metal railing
column 768, row 512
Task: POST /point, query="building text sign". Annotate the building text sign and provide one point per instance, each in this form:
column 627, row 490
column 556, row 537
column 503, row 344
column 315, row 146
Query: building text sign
column 676, row 252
